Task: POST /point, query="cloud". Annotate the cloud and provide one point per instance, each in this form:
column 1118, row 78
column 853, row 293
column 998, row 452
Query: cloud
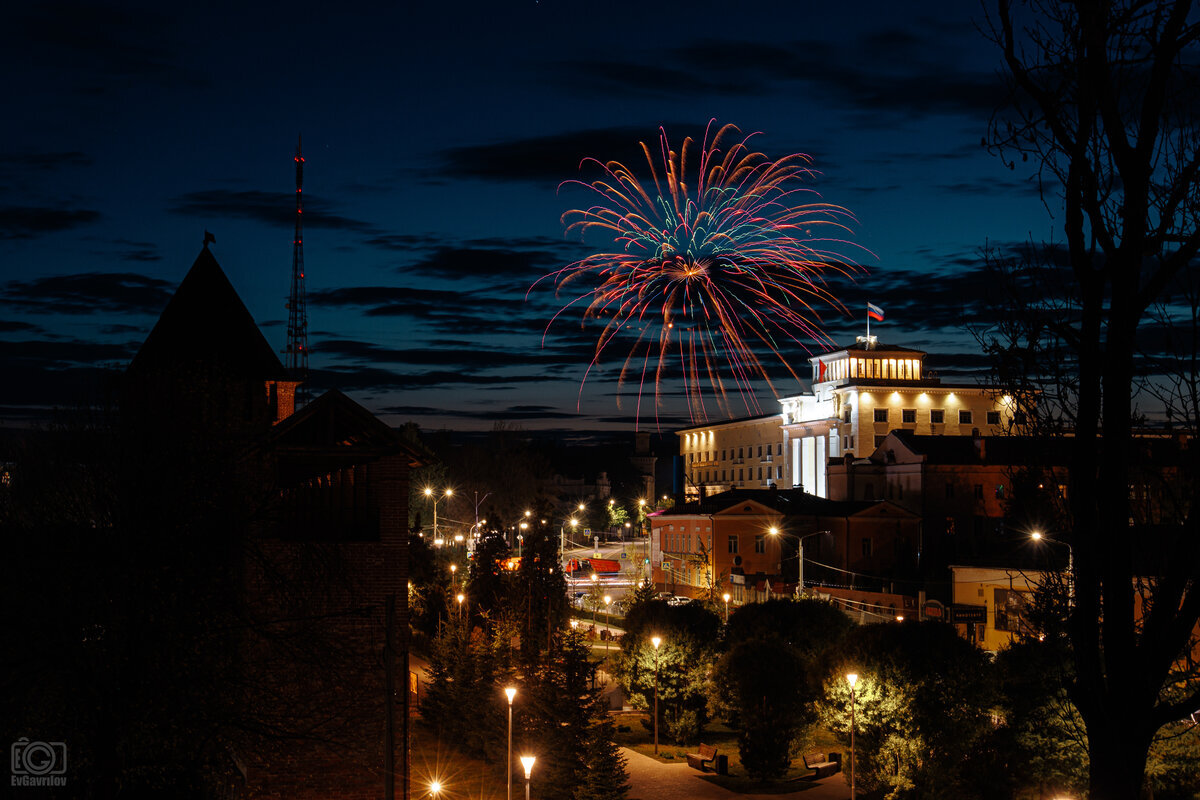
column 88, row 293
column 272, row 208
column 27, row 222
column 554, row 157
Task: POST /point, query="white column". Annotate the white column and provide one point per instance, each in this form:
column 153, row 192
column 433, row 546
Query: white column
column 797, row 462
column 820, row 489
column 808, row 474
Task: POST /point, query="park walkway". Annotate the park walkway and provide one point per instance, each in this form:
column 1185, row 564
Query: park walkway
column 653, row 780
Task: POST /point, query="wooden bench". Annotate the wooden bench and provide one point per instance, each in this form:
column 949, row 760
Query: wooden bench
column 707, row 755
column 825, row 764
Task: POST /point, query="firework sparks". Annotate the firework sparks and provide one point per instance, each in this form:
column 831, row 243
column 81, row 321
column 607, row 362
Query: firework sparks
column 722, row 253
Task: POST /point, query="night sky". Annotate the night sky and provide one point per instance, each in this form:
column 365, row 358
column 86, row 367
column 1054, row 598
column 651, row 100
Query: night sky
column 436, row 136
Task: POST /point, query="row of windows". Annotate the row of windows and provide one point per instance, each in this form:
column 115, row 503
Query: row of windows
column 741, row 453
column 937, row 416
column 760, row 544
column 728, row 475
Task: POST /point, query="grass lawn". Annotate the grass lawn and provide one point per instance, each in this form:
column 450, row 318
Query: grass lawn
column 632, row 733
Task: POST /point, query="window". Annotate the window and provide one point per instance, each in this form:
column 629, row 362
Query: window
column 993, row 418
column 979, row 491
column 733, row 543
column 760, row 543
column 937, row 416
column 908, row 416
column 760, row 451
column 881, row 415
column 779, row 472
column 779, row 449
column 740, row 453
column 964, row 418
column 741, row 473
column 846, row 414
column 866, row 546
column 760, row 473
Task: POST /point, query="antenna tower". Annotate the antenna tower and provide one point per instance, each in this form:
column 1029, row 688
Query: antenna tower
column 297, row 330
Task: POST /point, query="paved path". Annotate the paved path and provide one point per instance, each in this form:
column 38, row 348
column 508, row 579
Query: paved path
column 653, row 780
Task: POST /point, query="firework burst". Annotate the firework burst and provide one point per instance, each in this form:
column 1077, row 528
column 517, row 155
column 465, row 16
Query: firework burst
column 722, row 255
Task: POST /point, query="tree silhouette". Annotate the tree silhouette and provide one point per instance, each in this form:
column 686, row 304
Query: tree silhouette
column 1101, row 330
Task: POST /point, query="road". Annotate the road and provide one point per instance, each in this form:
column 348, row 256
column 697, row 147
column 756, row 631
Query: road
column 628, row 553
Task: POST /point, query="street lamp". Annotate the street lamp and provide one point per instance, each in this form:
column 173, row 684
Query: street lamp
column 1038, row 536
column 511, row 691
column 460, row 599
column 435, row 788
column 656, row 641
column 799, row 555
column 853, row 679
column 527, row 763
column 725, row 597
column 607, row 627
column 453, row 580
column 429, row 493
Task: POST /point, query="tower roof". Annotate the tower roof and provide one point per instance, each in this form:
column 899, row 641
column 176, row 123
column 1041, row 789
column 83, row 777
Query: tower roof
column 206, row 322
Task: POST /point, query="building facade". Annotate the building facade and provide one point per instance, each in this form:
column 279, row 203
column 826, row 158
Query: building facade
column 740, row 541
column 859, row 394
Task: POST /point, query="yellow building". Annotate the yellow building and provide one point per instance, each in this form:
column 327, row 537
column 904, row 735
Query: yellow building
column 859, row 394
column 989, row 603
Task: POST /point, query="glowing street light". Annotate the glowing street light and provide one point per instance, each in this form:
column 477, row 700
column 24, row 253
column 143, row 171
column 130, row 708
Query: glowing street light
column 656, row 641
column 527, row 763
column 1038, row 536
column 435, row 788
column 511, row 691
column 852, row 678
column 429, row 493
column 725, row 597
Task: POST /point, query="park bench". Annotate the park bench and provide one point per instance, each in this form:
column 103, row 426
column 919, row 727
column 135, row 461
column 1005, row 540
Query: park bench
column 825, row 764
column 707, row 755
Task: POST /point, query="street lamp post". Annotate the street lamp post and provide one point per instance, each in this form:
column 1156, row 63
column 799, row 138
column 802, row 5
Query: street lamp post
column 853, row 679
column 429, row 493
column 799, row 556
column 656, row 641
column 725, row 597
column 527, row 763
column 1038, row 536
column 511, row 691
column 607, row 617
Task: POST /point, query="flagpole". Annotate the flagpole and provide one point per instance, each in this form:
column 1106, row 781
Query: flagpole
column 868, row 323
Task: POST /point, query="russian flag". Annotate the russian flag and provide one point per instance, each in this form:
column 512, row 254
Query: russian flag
column 874, row 312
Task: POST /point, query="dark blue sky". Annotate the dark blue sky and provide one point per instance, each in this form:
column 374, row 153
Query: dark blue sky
column 436, row 136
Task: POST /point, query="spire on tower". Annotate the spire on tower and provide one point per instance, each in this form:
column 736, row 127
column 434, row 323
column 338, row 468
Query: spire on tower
column 297, row 330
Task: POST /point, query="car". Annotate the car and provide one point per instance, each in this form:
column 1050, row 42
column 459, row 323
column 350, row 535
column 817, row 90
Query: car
column 678, row 600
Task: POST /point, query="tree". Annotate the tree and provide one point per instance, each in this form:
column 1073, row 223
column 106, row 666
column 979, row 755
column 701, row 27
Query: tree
column 921, row 710
column 769, row 682
column 569, row 729
column 1103, row 102
column 758, row 685
column 685, row 656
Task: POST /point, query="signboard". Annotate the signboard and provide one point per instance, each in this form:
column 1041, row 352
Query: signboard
column 960, row 612
column 933, row 609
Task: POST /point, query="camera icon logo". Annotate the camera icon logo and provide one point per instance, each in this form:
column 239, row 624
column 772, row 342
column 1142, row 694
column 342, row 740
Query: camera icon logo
column 38, row 758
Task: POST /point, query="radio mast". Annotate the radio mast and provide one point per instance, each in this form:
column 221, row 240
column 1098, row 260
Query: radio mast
column 297, row 329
